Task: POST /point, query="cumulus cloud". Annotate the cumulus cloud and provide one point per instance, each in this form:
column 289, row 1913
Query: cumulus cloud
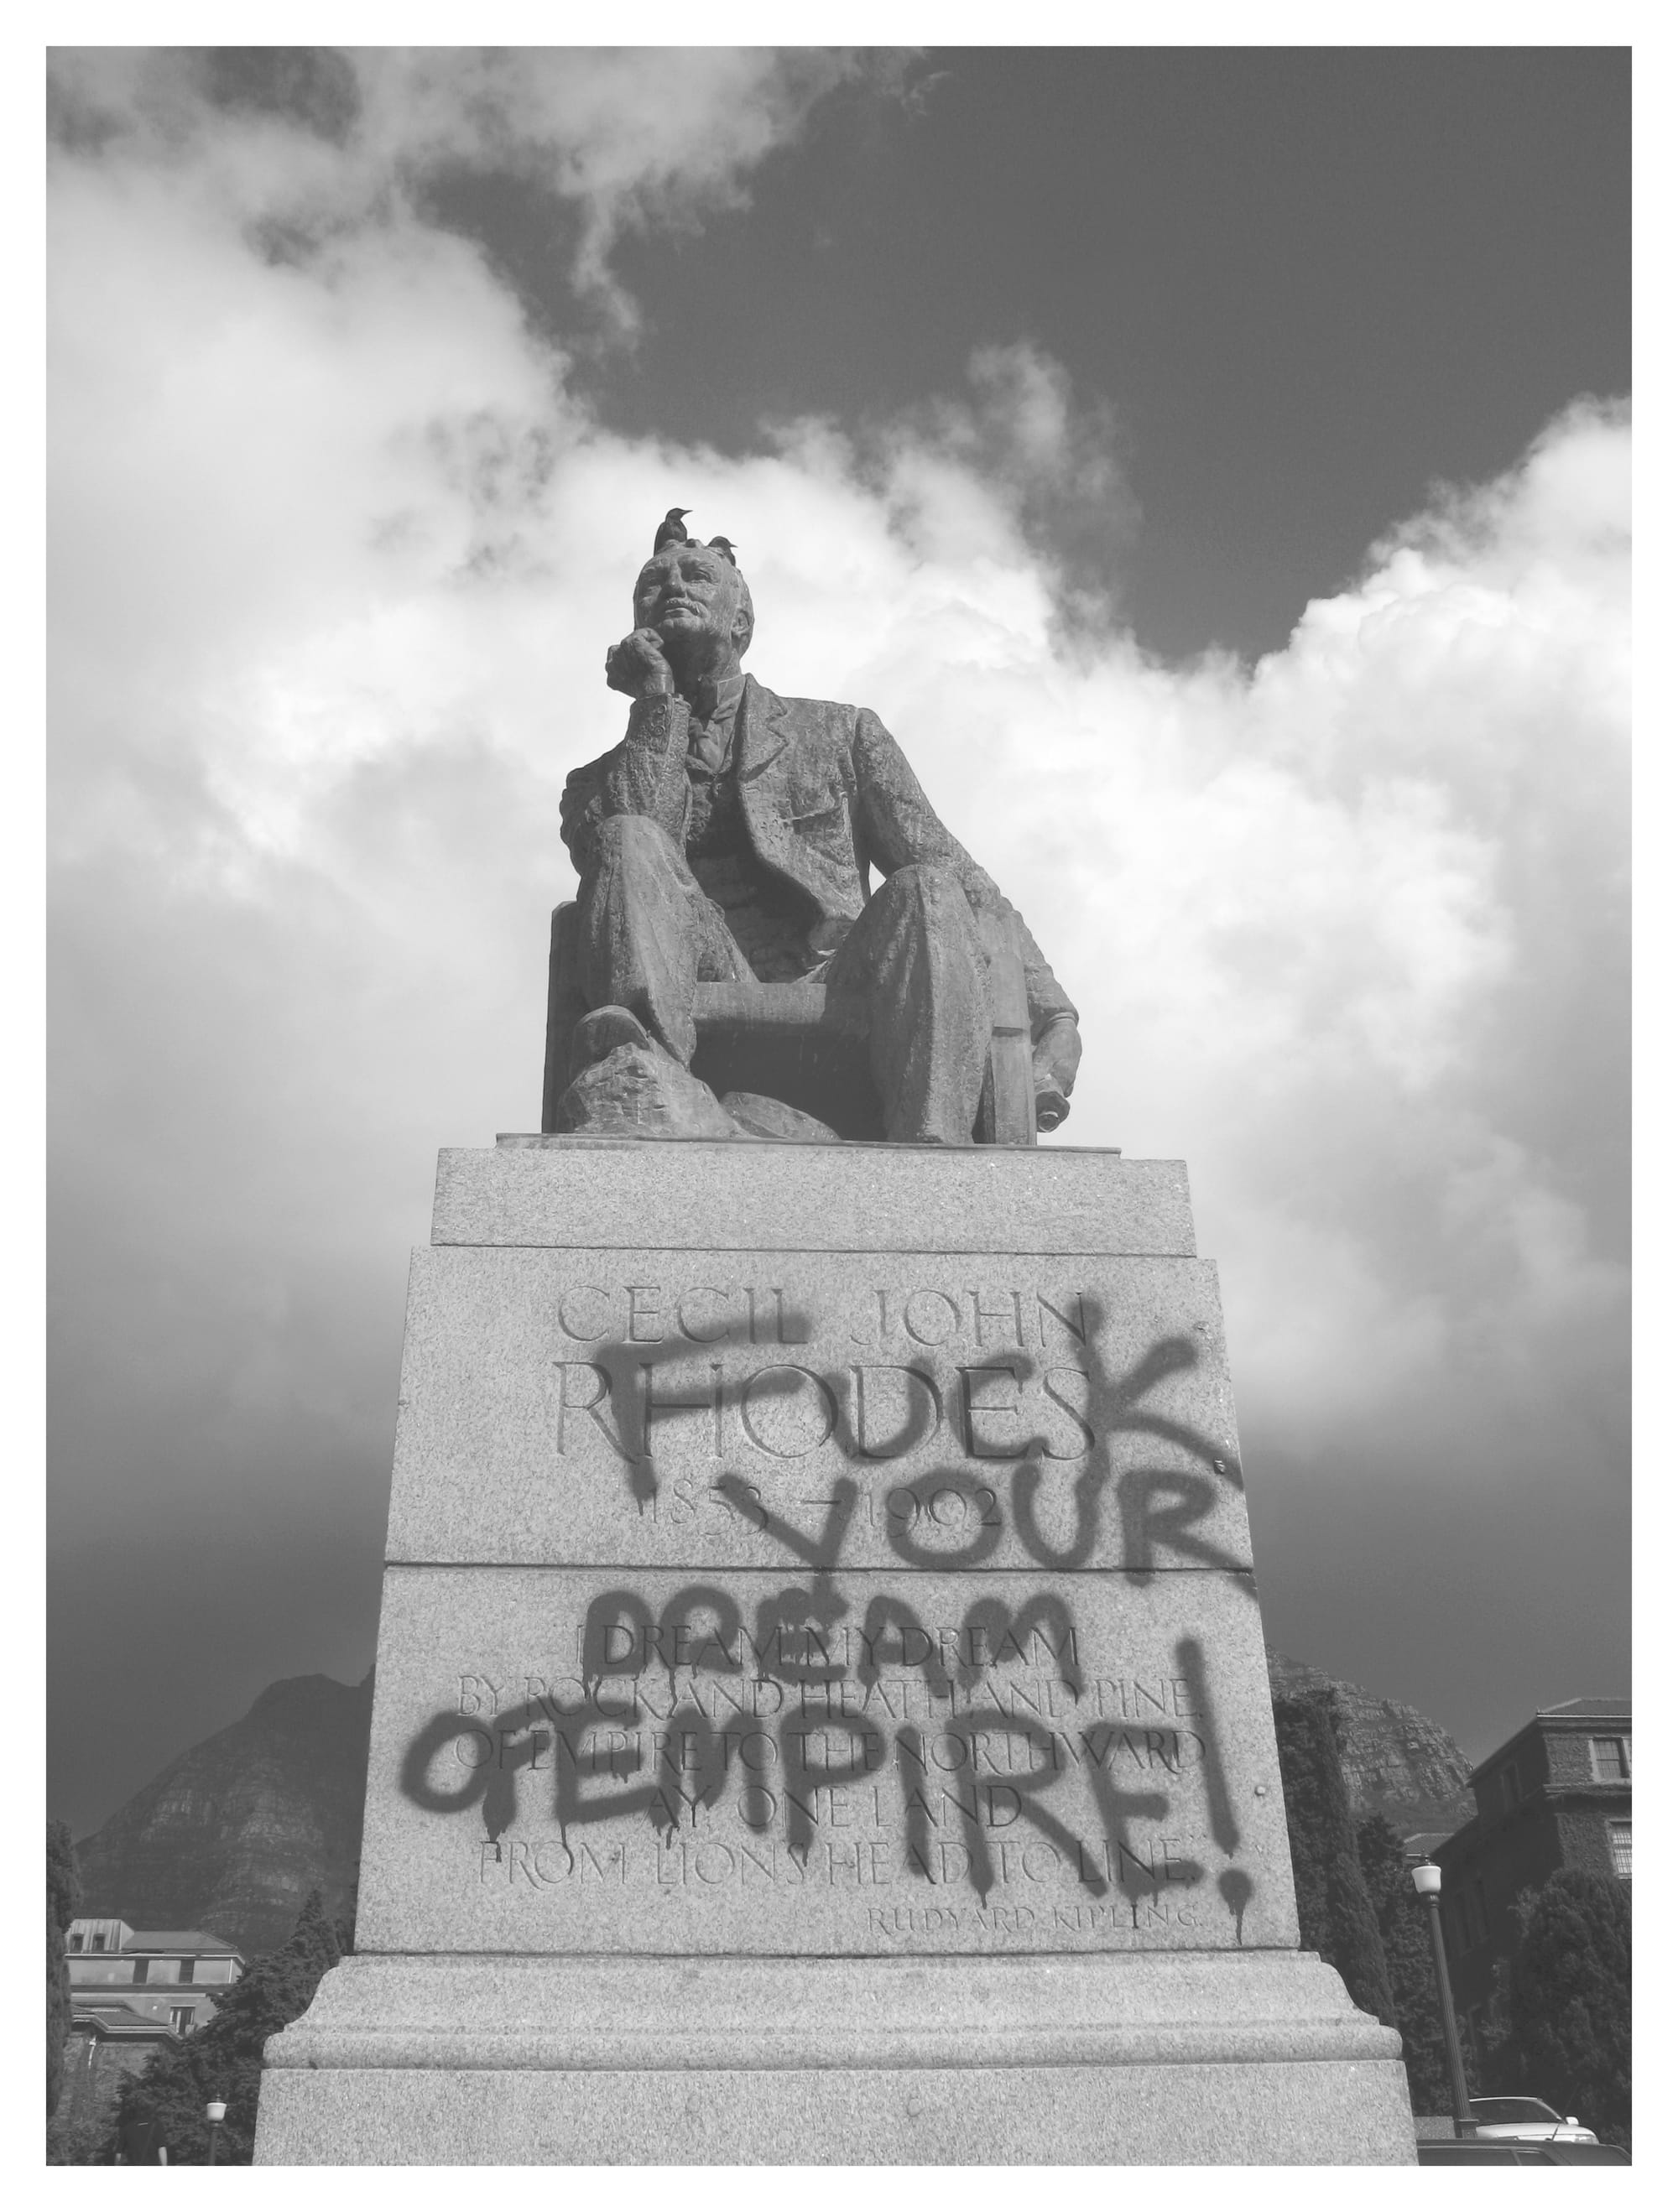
column 1047, row 464
column 337, row 549
column 1348, row 929
column 302, row 144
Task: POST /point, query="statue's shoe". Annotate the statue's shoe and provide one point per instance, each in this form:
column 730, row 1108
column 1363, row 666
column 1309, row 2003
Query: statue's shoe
column 639, row 1091
column 602, row 1032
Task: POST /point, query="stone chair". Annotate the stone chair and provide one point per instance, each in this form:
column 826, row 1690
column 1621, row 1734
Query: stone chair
column 807, row 1045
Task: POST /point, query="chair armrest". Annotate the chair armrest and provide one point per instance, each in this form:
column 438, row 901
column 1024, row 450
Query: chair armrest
column 800, row 1004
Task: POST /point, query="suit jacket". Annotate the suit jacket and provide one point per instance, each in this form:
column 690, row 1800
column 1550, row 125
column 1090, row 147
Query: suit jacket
column 825, row 794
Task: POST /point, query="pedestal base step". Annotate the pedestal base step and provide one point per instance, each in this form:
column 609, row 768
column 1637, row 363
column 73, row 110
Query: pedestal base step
column 1191, row 2058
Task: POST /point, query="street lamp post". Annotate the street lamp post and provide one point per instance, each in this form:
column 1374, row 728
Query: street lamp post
column 214, row 2111
column 1427, row 1878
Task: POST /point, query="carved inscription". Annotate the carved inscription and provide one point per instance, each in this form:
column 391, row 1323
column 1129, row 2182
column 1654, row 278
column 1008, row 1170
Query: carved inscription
column 833, row 1738
column 786, row 1409
column 886, row 1315
column 939, row 1423
column 918, row 1704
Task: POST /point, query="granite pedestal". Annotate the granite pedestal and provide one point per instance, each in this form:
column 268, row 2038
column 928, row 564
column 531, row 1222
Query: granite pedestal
column 821, row 1713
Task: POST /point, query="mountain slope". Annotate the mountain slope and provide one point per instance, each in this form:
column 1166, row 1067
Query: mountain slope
column 234, row 1834
column 1396, row 1760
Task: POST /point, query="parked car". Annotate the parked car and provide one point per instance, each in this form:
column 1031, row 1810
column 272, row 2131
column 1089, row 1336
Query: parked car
column 1523, row 2119
column 1513, row 2151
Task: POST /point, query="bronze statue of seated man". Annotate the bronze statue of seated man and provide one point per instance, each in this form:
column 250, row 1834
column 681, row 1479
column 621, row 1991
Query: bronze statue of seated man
column 730, row 837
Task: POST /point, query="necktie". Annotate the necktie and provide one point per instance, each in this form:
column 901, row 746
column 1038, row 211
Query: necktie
column 708, row 741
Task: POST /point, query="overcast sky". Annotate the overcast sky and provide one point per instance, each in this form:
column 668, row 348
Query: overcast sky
column 1215, row 469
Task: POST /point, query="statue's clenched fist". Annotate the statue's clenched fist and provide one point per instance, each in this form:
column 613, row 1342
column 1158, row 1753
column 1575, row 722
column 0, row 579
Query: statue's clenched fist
column 636, row 665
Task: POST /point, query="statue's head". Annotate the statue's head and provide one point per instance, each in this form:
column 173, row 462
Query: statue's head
column 693, row 593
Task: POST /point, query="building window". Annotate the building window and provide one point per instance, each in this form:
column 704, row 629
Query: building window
column 1509, row 1784
column 1611, row 1757
column 186, row 1967
column 97, row 1943
column 142, row 1969
column 1619, row 1848
column 75, row 1942
column 180, row 2019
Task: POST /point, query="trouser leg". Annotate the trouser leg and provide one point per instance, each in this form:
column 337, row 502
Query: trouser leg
column 646, row 931
column 916, row 949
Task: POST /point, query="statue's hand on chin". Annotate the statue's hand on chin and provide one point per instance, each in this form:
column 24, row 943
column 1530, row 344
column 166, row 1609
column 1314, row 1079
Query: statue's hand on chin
column 636, row 665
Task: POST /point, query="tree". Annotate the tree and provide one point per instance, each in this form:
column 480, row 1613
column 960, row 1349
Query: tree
column 1335, row 1915
column 84, row 2139
column 1401, row 1919
column 1571, row 1998
column 224, row 2058
column 63, row 1895
column 170, row 2091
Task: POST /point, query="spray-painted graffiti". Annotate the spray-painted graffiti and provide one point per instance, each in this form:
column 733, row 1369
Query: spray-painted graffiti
column 1031, row 1433
column 838, row 1726
column 983, row 1749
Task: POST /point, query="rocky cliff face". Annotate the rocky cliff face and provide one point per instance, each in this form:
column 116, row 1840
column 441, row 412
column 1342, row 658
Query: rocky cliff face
column 233, row 1836
column 1396, row 1760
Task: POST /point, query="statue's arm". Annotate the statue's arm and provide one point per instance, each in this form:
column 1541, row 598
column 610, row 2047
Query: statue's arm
column 899, row 830
column 647, row 774
column 579, row 811
column 899, row 827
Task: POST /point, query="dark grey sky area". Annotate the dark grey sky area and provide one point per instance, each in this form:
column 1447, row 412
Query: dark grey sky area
column 368, row 375
column 1307, row 284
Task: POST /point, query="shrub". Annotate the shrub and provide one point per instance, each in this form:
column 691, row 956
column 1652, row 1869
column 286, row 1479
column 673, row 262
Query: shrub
column 1571, row 1998
column 62, row 1897
column 1336, row 1918
column 224, row 2058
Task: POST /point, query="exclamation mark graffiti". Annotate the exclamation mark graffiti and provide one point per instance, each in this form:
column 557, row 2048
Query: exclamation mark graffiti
column 1235, row 1883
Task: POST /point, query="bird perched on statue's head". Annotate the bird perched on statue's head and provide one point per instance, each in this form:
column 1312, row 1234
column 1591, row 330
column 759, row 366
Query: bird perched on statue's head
column 725, row 547
column 672, row 531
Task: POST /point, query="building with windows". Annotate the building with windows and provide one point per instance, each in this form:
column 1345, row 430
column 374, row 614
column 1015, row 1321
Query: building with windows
column 1558, row 1794
column 129, row 1990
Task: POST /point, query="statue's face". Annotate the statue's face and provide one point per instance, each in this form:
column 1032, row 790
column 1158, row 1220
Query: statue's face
column 687, row 591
